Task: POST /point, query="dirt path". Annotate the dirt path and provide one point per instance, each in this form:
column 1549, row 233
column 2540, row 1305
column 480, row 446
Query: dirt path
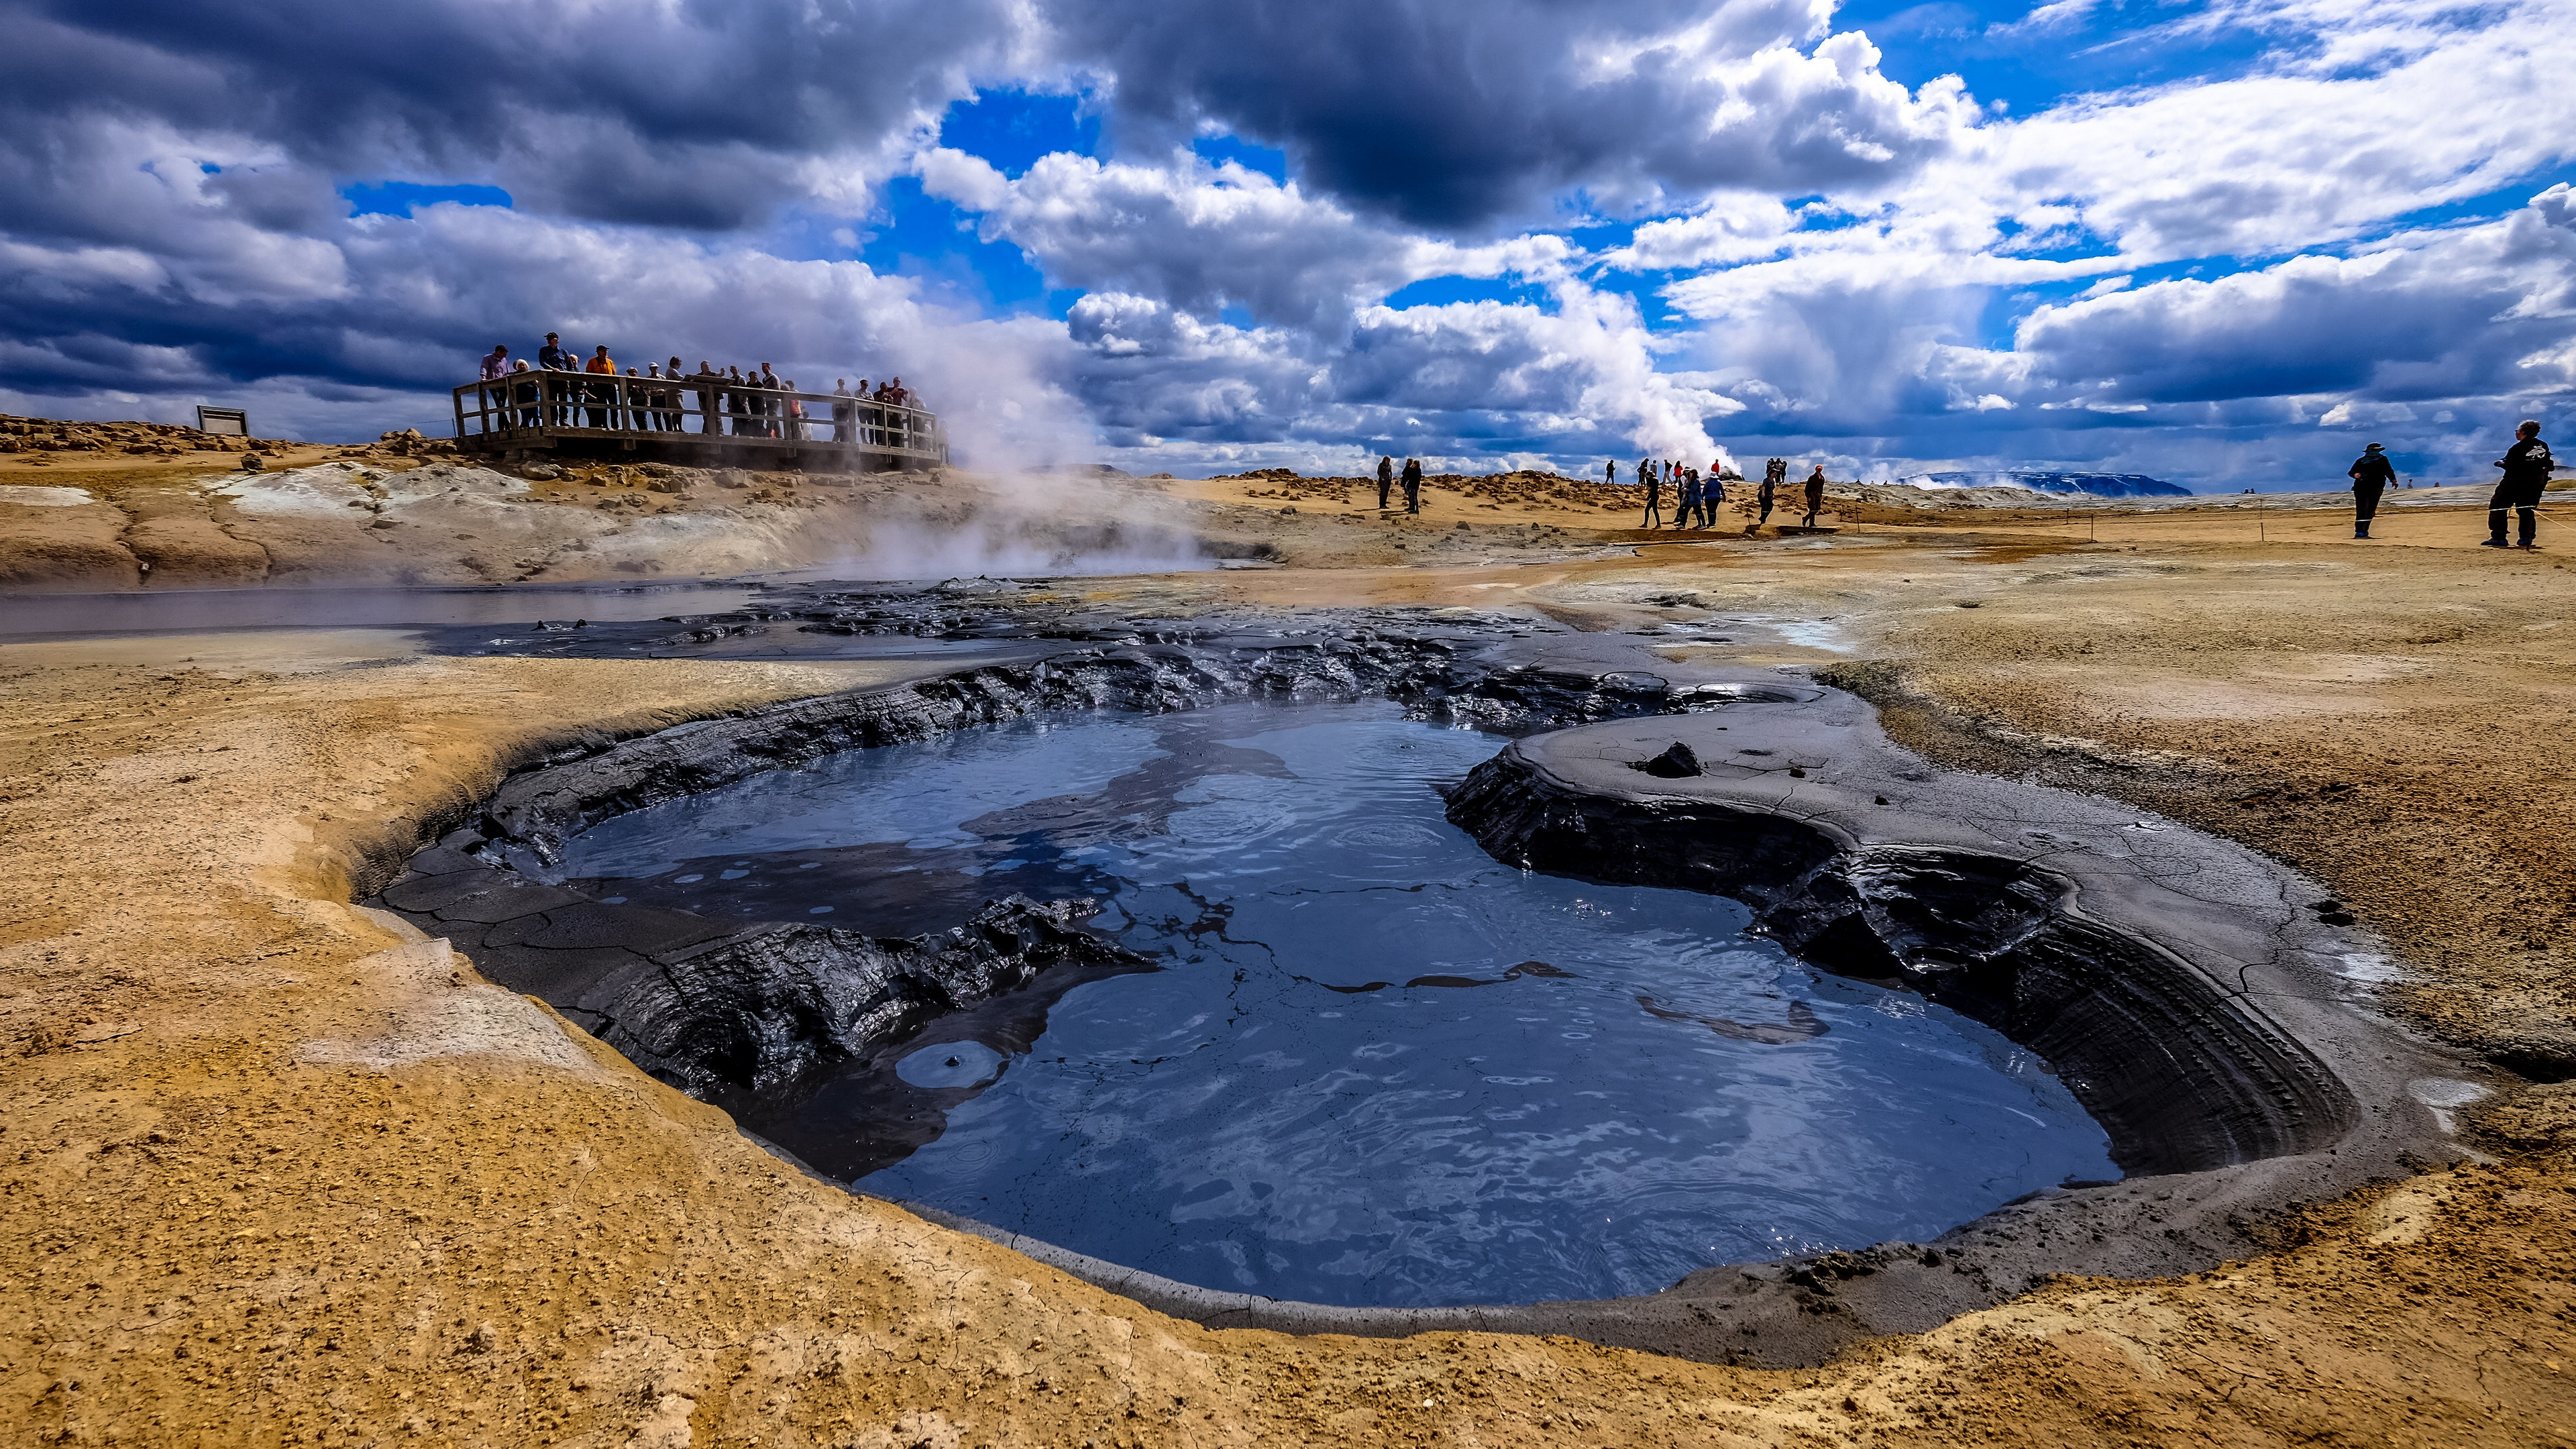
column 284, row 1177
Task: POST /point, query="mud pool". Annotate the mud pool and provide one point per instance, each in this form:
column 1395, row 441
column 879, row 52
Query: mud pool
column 1372, row 1066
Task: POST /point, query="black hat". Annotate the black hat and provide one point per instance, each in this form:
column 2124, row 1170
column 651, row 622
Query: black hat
column 2373, row 448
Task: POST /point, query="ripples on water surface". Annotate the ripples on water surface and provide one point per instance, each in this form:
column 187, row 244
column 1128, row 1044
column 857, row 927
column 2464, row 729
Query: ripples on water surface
column 1377, row 1067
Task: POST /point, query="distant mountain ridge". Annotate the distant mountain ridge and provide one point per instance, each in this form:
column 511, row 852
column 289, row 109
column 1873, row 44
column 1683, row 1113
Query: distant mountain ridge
column 2107, row 485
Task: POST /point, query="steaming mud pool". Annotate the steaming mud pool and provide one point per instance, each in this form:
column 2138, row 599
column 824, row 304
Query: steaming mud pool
column 1371, row 1066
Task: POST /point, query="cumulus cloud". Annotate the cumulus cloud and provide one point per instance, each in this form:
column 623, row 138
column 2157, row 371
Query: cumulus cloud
column 1449, row 116
column 1202, row 236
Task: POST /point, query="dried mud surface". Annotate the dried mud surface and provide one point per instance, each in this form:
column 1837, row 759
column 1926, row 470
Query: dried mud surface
column 279, row 1174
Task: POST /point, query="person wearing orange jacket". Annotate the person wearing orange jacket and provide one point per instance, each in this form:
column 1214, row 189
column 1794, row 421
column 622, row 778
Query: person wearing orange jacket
column 601, row 392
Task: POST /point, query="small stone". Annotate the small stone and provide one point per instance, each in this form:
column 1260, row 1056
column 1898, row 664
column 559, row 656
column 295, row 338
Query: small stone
column 1675, row 763
column 252, row 462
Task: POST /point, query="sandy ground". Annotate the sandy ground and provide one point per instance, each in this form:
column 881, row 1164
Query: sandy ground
column 280, row 1175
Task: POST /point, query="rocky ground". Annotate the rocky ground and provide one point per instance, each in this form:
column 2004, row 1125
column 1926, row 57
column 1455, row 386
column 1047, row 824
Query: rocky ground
column 280, row 1173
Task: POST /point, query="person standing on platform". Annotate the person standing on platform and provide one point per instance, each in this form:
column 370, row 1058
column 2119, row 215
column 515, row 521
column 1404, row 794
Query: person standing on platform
column 599, row 394
column 1610, row 474
column 2527, row 466
column 1654, row 485
column 2371, row 475
column 1413, row 485
column 496, row 368
column 1385, row 482
column 553, row 358
column 523, row 391
column 1815, row 494
column 710, row 402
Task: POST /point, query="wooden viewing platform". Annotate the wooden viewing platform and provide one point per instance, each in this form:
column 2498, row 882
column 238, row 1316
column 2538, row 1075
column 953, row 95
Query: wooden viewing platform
column 694, row 422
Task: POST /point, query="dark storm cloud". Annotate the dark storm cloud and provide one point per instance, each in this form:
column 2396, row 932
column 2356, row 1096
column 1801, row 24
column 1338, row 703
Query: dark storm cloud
column 1449, row 115
column 700, row 115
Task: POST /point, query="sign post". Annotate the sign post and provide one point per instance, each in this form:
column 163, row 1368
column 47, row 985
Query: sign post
column 231, row 422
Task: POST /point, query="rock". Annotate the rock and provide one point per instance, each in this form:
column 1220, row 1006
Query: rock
column 751, row 1008
column 732, row 478
column 542, row 472
column 1674, row 763
column 252, row 463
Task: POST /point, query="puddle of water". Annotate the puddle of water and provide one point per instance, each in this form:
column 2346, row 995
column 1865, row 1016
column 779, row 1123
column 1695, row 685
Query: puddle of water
column 1375, row 1067
column 1814, row 634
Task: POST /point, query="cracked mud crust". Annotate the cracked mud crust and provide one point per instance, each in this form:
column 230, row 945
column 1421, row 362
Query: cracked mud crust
column 280, row 1175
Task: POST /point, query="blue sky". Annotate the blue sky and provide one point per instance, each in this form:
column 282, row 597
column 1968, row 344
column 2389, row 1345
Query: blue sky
column 2211, row 240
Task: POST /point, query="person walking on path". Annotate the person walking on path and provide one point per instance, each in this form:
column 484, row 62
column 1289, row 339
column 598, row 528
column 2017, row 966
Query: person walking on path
column 2370, row 474
column 1687, row 515
column 1413, row 485
column 1815, row 494
column 2527, row 466
column 1713, row 492
column 1654, row 494
column 1385, row 481
column 1766, row 496
column 1610, row 474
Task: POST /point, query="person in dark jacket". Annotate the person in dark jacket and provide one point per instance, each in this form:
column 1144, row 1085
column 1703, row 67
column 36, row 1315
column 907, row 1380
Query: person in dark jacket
column 1654, row 482
column 1385, row 482
column 2527, row 466
column 1766, row 497
column 2371, row 475
column 1413, row 485
column 1815, row 494
column 553, row 357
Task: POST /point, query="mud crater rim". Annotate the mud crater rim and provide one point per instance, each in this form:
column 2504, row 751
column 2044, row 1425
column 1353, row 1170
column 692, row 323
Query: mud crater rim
column 1475, row 677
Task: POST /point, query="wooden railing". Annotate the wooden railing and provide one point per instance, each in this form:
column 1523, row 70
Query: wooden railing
column 713, row 410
